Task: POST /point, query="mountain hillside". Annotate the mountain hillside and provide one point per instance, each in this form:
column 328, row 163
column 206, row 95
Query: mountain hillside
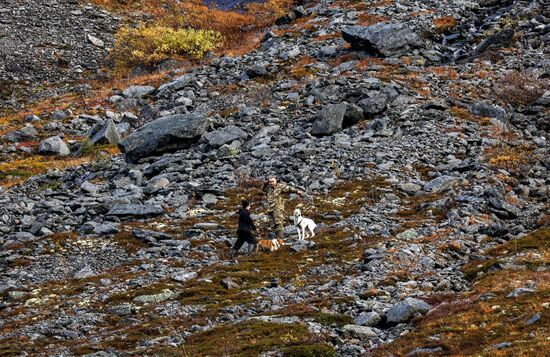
column 418, row 130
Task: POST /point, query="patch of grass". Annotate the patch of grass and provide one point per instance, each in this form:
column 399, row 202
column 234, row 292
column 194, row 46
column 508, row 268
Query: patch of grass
column 152, row 289
column 417, row 209
column 444, row 24
column 520, row 89
column 474, row 268
column 348, row 197
column 537, row 240
column 513, row 158
column 126, row 240
column 313, row 350
column 151, row 45
column 247, row 339
column 18, row 170
column 332, row 319
column 467, row 324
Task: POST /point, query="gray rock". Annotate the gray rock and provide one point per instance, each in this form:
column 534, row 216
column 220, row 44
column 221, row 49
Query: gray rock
column 483, row 109
column 225, row 135
column 86, row 272
column 32, row 118
column 17, row 295
column 368, row 319
column 327, row 51
column 96, row 41
column 89, row 187
column 54, row 145
column 156, row 298
column 359, row 331
column 228, row 283
column 378, row 126
column 164, row 134
column 386, row 39
column 354, row 114
column 409, row 234
column 105, row 229
column 503, row 209
column 150, row 236
column 424, row 351
column 439, row 184
column 520, row 291
column 410, row 188
column 138, row 91
column 303, row 244
column 124, row 309
column 404, row 310
column 535, row 318
column 374, row 104
column 227, row 151
column 175, row 85
column 256, row 71
column 135, row 210
column 502, row 345
column 500, row 39
column 209, row 199
column 182, row 277
column 329, row 119
column 22, row 237
column 108, row 134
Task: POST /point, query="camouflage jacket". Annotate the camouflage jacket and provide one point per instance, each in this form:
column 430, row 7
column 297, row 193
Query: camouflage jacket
column 275, row 199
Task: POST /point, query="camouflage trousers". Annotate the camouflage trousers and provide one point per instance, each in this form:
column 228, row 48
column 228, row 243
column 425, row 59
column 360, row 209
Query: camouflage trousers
column 278, row 218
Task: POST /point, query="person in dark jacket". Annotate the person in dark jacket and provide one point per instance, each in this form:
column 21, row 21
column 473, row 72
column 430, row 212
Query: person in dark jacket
column 245, row 230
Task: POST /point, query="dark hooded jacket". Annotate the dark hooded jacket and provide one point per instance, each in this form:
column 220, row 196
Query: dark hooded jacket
column 245, row 221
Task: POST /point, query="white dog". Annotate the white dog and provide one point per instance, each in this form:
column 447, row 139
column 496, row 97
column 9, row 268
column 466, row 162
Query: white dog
column 302, row 223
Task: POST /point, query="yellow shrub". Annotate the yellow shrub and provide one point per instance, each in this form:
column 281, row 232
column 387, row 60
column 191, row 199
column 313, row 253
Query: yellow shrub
column 152, row 44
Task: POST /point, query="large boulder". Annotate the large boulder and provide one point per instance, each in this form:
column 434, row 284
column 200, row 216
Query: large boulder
column 138, row 91
column 54, row 145
column 386, row 39
column 168, row 133
column 329, row 120
column 135, row 210
column 404, row 310
column 224, row 135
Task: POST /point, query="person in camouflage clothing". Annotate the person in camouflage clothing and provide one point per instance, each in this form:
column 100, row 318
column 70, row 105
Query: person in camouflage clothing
column 274, row 191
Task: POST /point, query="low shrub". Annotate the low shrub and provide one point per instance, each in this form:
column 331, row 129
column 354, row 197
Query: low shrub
column 151, row 45
column 519, row 89
column 444, row 24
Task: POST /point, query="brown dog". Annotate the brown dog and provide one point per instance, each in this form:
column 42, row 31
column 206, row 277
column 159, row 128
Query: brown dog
column 270, row 245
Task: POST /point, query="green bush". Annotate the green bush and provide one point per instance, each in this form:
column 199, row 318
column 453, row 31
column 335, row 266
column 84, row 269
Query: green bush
column 151, row 45
column 315, row 350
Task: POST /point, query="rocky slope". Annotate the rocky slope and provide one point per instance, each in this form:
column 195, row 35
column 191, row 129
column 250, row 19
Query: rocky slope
column 418, row 150
column 48, row 47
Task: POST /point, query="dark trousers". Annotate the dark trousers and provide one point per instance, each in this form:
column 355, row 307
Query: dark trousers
column 244, row 235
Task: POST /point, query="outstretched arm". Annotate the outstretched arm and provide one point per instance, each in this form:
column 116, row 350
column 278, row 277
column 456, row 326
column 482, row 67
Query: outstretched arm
column 292, row 189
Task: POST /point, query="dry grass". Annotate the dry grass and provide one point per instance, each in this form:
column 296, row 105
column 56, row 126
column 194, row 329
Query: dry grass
column 515, row 159
column 466, row 325
column 365, row 19
column 14, row 172
column 446, row 73
column 302, row 68
column 444, row 24
column 519, row 89
column 236, row 27
column 252, row 338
